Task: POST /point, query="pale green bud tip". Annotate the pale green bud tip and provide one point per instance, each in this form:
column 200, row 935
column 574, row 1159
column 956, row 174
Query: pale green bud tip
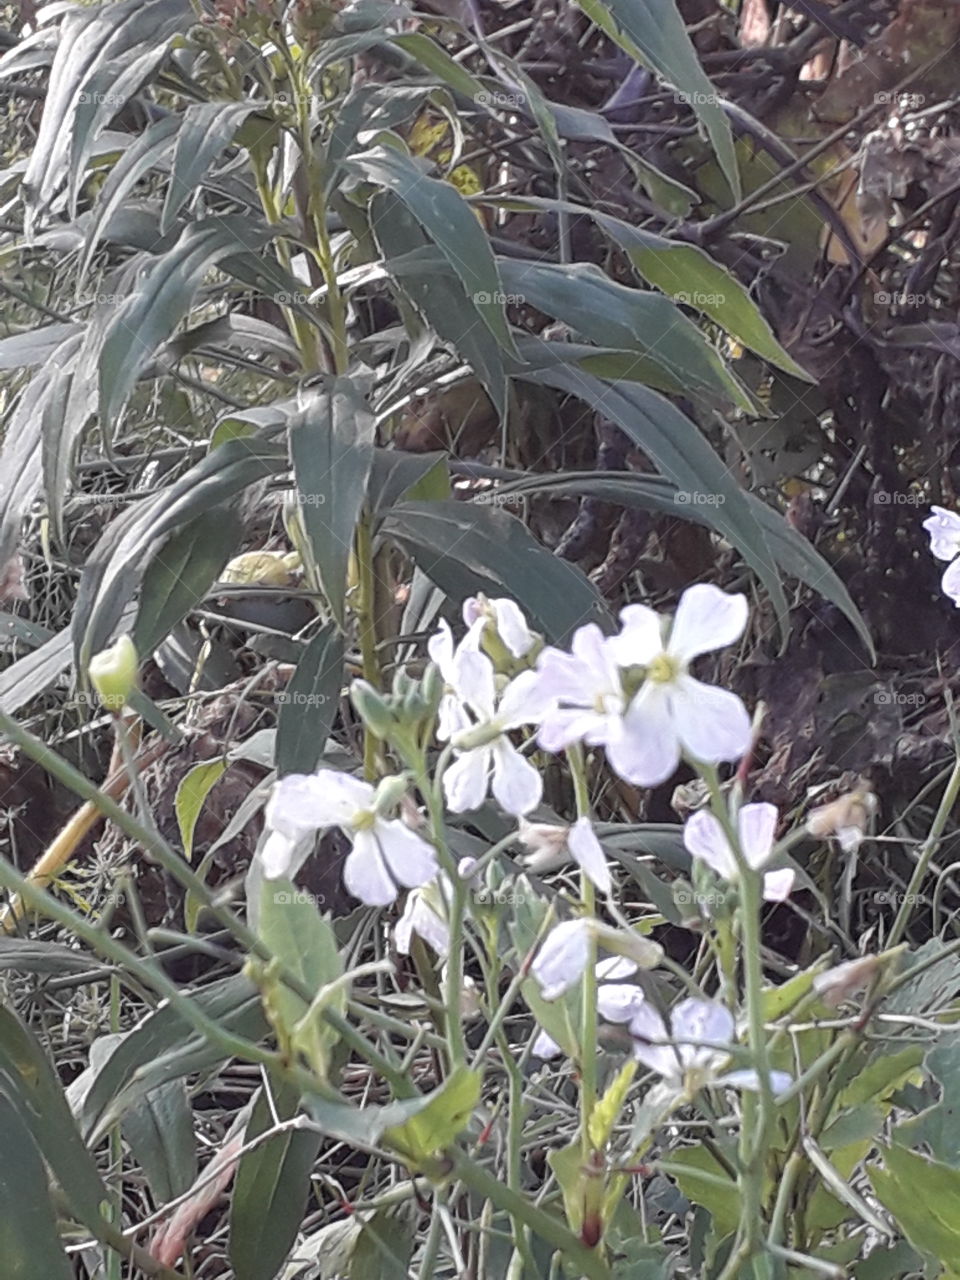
column 371, row 708
column 113, row 673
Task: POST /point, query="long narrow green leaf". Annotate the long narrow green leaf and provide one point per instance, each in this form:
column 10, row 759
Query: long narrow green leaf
column 29, row 1244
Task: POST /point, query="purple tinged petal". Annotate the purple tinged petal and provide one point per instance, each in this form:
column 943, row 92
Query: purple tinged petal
column 712, row 724
column 706, row 619
column 561, row 960
column 757, row 825
column 705, row 839
column 517, row 785
column 588, row 854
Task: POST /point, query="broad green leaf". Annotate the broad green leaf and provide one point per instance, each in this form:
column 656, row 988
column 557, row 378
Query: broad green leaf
column 34, row 347
column 193, row 790
column 114, row 569
column 887, row 1072
column 938, row 1126
column 436, row 293
column 206, row 130
column 465, row 549
column 164, row 295
column 29, row 1243
column 782, row 998
column 653, row 32
column 385, row 1245
column 181, row 572
column 165, row 1047
column 271, row 1188
column 569, row 1171
column 436, row 59
column 159, row 1132
column 147, row 152
column 444, row 1117
column 922, row 1196
column 27, row 1080
column 331, row 449
column 415, row 477
column 290, row 924
column 715, row 1191
column 95, row 67
column 614, row 315
column 450, row 224
column 308, row 705
column 684, row 272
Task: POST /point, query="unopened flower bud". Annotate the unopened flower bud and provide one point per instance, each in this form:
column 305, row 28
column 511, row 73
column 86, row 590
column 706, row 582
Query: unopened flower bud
column 390, row 793
column 372, row 708
column 631, row 945
column 845, row 819
column 845, row 980
column 546, row 845
column 113, row 673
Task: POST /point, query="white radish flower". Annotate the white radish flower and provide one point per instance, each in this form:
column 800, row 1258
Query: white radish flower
column 693, row 1055
column 553, row 846
column 707, row 841
column 562, row 959
column 506, row 616
column 616, row 1001
column 385, row 854
column 673, row 713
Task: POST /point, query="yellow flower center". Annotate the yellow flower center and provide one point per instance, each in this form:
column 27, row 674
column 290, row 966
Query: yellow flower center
column 663, row 669
column 364, row 820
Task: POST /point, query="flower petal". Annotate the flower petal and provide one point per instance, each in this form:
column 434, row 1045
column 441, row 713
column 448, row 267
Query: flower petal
column 950, row 582
column 613, row 968
column 365, row 873
column 777, row 885
column 276, row 855
column 524, row 701
column 420, row 918
column 563, row 725
column 618, row 1001
column 708, row 1024
column 757, row 824
column 706, row 619
column 303, row 802
column 640, row 638
column 647, row 1029
column 560, row 962
column 705, row 839
column 512, row 627
column 440, row 649
column 646, row 752
column 943, row 527
column 748, row 1079
column 517, row 785
column 473, row 681
column 588, row 854
column 545, row 1048
column 411, row 860
column 465, row 781
column 711, row 723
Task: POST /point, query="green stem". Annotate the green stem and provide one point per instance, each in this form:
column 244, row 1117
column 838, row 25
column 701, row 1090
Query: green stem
column 367, row 623
column 927, row 851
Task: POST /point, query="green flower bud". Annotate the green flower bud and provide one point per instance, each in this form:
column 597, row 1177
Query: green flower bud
column 372, row 708
column 390, row 792
column 113, row 673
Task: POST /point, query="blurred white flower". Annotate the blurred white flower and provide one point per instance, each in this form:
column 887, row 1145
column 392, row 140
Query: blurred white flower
column 840, row 983
column 644, row 734
column 706, row 840
column 944, row 529
column 694, row 1053
column 562, row 958
column 845, row 819
column 616, row 1001
column 452, row 715
column 385, row 853
column 553, row 846
column 506, row 616
column 424, row 914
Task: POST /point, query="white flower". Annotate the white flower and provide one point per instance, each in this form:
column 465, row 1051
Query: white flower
column 616, row 1001
column 706, row 840
column 644, row 734
column 701, row 1032
column 562, row 958
column 385, row 852
column 944, row 529
column 478, row 730
column 673, row 712
column 452, row 716
column 846, row 819
column 506, row 616
column 552, row 846
column 424, row 914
